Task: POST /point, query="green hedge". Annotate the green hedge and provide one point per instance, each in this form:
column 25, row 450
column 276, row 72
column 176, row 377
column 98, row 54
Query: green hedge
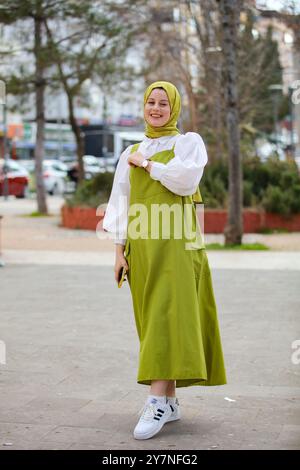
column 273, row 186
column 92, row 192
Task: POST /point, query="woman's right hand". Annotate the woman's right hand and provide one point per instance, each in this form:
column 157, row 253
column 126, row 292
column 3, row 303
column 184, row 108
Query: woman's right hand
column 120, row 261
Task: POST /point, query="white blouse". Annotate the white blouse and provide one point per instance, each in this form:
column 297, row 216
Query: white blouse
column 181, row 175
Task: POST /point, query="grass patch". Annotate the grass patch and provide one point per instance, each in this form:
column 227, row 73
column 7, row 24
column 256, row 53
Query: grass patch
column 37, row 214
column 243, row 246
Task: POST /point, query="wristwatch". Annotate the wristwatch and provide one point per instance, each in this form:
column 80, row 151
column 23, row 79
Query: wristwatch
column 145, row 163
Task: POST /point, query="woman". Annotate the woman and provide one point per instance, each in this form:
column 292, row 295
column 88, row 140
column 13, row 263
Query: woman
column 168, row 271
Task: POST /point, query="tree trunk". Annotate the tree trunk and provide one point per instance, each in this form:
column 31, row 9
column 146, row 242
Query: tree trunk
column 230, row 10
column 40, row 119
column 79, row 139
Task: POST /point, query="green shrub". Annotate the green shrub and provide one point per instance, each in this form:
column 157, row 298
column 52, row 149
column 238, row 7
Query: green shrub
column 273, row 185
column 92, row 192
column 272, row 200
column 247, row 193
column 283, row 201
column 257, row 174
column 213, row 185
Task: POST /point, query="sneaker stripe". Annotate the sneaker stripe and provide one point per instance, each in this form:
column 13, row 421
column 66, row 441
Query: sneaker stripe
column 161, row 411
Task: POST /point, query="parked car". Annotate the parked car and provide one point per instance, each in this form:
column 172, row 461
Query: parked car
column 55, row 176
column 18, row 178
column 69, row 160
column 55, row 172
column 92, row 166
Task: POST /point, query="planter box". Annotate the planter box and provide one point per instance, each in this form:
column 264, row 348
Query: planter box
column 253, row 221
column 214, row 220
column 81, row 217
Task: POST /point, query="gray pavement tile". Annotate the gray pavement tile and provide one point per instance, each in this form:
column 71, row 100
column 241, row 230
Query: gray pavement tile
column 290, row 435
column 278, row 415
column 84, row 435
column 70, row 377
column 24, row 444
column 13, row 400
column 78, row 446
column 16, row 432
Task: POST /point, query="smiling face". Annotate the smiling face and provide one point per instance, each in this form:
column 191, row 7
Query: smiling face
column 157, row 109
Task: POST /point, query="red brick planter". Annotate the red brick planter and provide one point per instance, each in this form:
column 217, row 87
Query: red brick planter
column 214, row 220
column 253, row 221
column 81, row 217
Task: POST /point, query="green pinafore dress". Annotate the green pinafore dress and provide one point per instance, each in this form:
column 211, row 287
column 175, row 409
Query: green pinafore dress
column 171, row 286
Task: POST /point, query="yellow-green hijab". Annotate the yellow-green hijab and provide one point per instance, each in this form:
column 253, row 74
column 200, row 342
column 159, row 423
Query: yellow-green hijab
column 170, row 128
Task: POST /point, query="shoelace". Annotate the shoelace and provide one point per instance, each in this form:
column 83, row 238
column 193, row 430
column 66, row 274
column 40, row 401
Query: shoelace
column 148, row 411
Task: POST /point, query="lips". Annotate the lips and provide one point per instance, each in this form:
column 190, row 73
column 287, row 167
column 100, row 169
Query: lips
column 155, row 115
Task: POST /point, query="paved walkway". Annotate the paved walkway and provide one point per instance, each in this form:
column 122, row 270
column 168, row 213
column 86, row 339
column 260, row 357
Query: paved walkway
column 69, row 381
column 264, row 260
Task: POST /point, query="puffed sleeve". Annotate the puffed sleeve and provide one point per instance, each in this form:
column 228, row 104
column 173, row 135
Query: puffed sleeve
column 182, row 174
column 115, row 218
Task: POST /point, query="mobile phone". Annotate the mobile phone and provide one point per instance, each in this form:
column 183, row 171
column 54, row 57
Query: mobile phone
column 122, row 274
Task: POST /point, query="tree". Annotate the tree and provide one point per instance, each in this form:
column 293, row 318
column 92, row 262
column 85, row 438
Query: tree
column 31, row 13
column 259, row 67
column 74, row 42
column 289, row 14
column 86, row 41
column 230, row 16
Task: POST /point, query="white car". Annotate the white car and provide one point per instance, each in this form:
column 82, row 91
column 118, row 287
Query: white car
column 55, row 176
column 92, row 166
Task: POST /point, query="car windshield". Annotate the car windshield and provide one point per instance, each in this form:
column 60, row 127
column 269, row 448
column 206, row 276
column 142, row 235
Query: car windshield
column 11, row 165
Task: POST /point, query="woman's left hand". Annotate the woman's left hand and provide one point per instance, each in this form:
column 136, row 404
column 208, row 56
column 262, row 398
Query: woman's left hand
column 136, row 159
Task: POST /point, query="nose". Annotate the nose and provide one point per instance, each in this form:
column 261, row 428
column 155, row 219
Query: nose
column 156, row 109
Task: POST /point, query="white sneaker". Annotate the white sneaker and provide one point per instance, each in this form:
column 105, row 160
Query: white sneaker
column 176, row 414
column 153, row 417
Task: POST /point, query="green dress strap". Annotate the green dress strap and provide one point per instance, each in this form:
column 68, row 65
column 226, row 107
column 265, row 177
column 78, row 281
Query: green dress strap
column 197, row 198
